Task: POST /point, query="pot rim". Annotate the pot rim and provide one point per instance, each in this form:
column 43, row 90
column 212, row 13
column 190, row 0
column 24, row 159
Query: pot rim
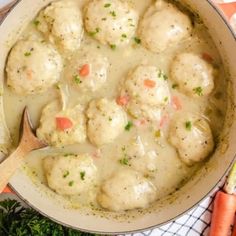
column 227, row 24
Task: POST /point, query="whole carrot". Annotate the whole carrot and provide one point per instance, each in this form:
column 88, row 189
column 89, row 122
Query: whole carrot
column 223, row 214
column 224, row 207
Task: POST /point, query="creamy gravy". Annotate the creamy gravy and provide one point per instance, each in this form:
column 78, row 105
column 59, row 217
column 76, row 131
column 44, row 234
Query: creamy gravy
column 171, row 172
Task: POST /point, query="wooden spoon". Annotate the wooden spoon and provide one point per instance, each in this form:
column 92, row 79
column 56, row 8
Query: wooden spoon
column 28, row 142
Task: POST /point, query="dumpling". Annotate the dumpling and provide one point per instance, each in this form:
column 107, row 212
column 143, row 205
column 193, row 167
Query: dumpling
column 106, row 121
column 33, row 67
column 162, row 26
column 61, row 22
column 140, row 159
column 193, row 75
column 147, row 91
column 62, row 127
column 191, row 135
column 88, row 71
column 126, row 190
column 70, row 175
column 111, row 22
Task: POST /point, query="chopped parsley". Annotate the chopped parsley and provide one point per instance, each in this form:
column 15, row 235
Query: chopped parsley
column 137, row 40
column 71, row 183
column 113, row 46
column 93, row 33
column 82, row 175
column 165, row 99
column 128, row 126
column 107, row 5
column 36, row 22
column 174, row 86
column 113, row 13
column 162, row 75
column 66, row 174
column 110, row 119
column 124, row 161
column 124, row 36
column 69, row 154
column 198, row 91
column 188, row 125
column 158, row 133
column 104, row 18
column 27, row 54
column 77, row 79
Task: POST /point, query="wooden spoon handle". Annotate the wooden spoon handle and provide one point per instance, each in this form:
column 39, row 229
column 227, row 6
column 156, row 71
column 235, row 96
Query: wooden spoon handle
column 9, row 166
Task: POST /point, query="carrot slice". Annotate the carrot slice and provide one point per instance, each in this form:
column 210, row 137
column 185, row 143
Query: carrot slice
column 122, row 100
column 29, row 74
column 207, row 57
column 63, row 123
column 85, row 70
column 164, row 120
column 176, row 103
column 223, row 214
column 149, row 83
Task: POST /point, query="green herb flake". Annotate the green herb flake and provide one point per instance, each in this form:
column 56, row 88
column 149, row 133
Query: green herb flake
column 198, row 91
column 158, row 133
column 82, row 175
column 93, row 33
column 123, row 148
column 113, row 46
column 110, row 119
column 113, row 13
column 188, row 125
column 66, row 174
column 124, row 161
column 77, row 79
column 36, row 22
column 124, row 36
column 71, row 183
column 107, row 5
column 175, row 86
column 137, row 40
column 166, row 99
column 129, row 126
column 27, row 54
column 104, row 18
column 162, row 75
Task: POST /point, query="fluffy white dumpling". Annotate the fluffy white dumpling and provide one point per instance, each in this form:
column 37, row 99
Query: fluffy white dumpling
column 70, row 175
column 163, row 25
column 194, row 76
column 61, row 22
column 111, row 22
column 62, row 127
column 191, row 135
column 126, row 190
column 88, row 71
column 106, row 121
column 33, row 67
column 147, row 92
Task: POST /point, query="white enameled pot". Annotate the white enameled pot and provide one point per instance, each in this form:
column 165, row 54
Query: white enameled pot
column 187, row 197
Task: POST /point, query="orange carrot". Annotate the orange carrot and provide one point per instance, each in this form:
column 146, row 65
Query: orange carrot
column 149, row 83
column 223, row 214
column 176, row 103
column 122, row 100
column 164, row 120
column 63, row 123
column 7, row 190
column 29, row 74
column 207, row 57
column 85, row 70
